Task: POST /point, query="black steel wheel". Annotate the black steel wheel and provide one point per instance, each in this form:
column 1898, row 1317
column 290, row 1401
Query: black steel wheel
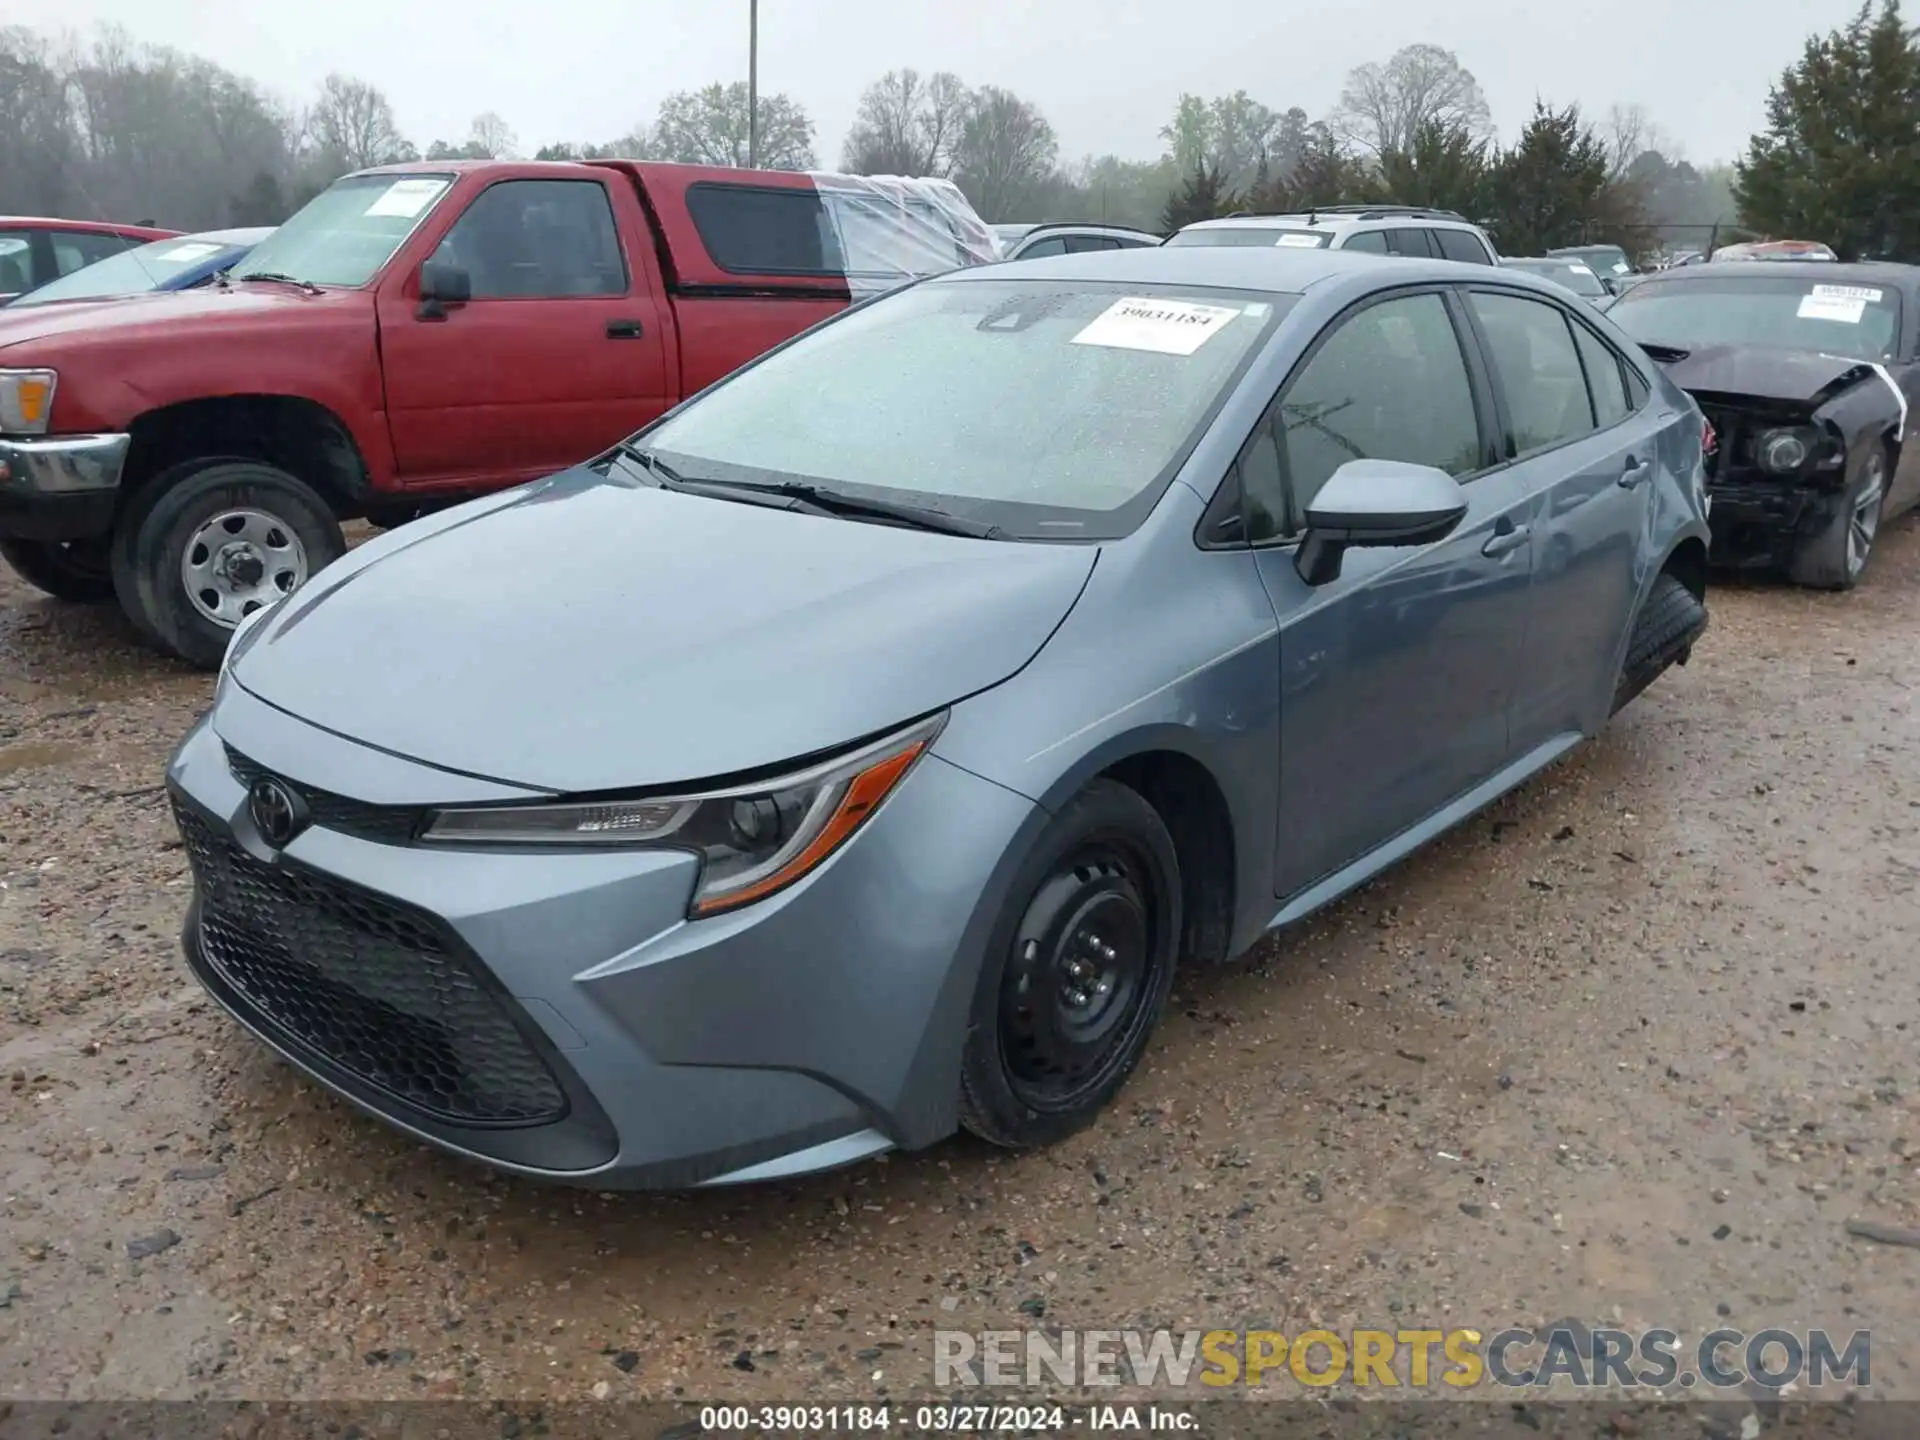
column 1078, row 972
column 74, row 570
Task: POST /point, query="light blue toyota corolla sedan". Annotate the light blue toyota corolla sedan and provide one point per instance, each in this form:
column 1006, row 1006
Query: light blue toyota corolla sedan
column 854, row 754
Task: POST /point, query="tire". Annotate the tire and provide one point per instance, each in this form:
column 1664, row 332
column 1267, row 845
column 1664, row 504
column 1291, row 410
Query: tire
column 73, row 570
column 1663, row 635
column 1104, row 876
column 245, row 530
column 1836, row 556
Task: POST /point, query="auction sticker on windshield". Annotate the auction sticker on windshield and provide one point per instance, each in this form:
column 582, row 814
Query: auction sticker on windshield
column 1849, row 292
column 195, row 250
column 1845, row 310
column 1168, row 327
column 407, row 198
column 1298, row 240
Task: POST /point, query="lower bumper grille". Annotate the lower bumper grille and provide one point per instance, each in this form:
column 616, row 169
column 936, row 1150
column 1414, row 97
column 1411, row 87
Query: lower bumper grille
column 383, row 992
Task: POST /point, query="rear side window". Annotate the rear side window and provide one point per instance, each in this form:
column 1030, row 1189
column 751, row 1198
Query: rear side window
column 1604, row 380
column 1373, row 242
column 538, row 239
column 1052, row 245
column 1389, row 384
column 1410, row 242
column 750, row 230
column 1538, row 370
column 1463, row 246
column 73, row 249
column 1082, row 244
column 16, row 264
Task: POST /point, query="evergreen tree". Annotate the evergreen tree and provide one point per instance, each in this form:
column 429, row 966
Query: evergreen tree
column 1839, row 160
column 1552, row 189
column 1203, row 195
column 1443, row 166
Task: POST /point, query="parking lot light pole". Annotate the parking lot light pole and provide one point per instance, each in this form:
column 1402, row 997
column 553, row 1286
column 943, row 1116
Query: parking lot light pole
column 753, row 84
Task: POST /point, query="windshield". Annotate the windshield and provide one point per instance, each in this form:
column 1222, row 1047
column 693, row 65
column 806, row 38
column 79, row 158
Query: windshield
column 1053, row 409
column 137, row 271
column 1250, row 235
column 1857, row 322
column 1601, row 259
column 1574, row 274
column 348, row 231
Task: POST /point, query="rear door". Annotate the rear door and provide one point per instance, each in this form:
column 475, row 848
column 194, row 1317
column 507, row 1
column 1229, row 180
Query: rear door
column 1579, row 450
column 560, row 352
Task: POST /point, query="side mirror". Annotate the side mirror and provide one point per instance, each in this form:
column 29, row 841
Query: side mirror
column 442, row 285
column 1377, row 503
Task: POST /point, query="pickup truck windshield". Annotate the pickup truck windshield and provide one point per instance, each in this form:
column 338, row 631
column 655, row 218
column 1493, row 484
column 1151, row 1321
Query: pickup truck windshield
column 1857, row 322
column 1052, row 409
column 348, row 231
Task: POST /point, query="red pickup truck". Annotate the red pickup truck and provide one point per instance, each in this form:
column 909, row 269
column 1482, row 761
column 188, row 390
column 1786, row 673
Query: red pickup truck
column 417, row 335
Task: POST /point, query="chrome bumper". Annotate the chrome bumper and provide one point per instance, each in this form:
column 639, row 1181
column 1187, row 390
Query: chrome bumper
column 51, row 465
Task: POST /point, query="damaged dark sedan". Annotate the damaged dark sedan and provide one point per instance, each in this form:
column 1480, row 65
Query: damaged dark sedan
column 1808, row 372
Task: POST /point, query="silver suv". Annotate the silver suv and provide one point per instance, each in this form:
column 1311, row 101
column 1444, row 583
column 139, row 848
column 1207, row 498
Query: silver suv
column 1408, row 230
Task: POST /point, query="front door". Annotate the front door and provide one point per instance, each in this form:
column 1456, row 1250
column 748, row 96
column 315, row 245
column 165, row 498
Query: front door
column 1576, row 444
column 560, row 352
column 1395, row 678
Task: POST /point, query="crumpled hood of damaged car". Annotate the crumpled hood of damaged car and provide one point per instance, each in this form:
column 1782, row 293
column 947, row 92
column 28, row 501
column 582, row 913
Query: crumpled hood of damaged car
column 1759, row 373
column 589, row 635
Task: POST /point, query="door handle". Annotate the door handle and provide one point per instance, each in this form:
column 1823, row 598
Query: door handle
column 1634, row 471
column 1507, row 537
column 624, row 330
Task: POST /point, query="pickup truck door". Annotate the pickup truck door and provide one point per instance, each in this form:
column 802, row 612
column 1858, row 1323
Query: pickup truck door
column 560, row 351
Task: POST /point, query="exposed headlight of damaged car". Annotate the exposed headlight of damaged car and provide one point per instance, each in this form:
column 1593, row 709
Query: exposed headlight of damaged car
column 26, row 401
column 752, row 839
column 1788, row 449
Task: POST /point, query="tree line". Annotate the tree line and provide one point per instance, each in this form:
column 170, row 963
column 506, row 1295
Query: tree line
column 113, row 127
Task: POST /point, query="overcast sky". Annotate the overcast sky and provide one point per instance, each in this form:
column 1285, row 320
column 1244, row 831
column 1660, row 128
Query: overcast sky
column 1105, row 72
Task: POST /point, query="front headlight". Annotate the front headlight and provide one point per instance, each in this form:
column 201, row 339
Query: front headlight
column 26, row 401
column 752, row 839
column 1787, row 449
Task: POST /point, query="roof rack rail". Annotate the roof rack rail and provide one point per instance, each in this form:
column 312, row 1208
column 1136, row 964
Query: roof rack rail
column 1353, row 212
column 1087, row 224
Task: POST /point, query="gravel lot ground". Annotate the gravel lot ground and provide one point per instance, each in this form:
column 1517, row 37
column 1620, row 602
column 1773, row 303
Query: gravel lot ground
column 1631, row 1048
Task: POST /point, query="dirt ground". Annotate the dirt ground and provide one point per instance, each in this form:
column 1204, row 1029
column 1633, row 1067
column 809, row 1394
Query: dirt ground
column 1631, row 1048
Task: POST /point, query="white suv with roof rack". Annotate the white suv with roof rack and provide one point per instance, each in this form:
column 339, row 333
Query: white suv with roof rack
column 1407, row 230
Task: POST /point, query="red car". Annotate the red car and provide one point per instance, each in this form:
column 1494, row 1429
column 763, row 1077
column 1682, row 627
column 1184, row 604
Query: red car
column 416, row 336
column 34, row 251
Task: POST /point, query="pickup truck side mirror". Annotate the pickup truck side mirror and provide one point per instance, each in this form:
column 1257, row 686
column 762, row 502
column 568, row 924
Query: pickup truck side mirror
column 1376, row 502
column 442, row 285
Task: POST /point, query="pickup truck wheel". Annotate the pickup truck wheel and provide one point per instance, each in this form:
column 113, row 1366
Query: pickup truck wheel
column 218, row 543
column 67, row 570
column 1835, row 557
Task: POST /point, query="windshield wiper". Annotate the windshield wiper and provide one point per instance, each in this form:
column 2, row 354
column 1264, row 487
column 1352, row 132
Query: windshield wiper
column 816, row 498
column 306, row 285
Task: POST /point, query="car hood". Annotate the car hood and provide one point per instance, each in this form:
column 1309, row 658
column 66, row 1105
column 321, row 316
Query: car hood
column 1758, row 373
column 586, row 634
column 107, row 317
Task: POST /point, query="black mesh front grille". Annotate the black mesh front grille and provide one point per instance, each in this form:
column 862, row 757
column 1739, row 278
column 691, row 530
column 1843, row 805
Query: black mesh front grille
column 383, row 824
column 383, row 992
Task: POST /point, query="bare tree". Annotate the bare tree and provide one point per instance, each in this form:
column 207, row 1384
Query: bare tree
column 1383, row 107
column 907, row 124
column 492, row 136
column 352, row 124
column 709, row 127
column 1628, row 133
column 1006, row 154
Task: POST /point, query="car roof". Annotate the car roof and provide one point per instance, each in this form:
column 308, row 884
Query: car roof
column 1331, row 222
column 1564, row 259
column 1887, row 272
column 90, row 227
column 1230, row 267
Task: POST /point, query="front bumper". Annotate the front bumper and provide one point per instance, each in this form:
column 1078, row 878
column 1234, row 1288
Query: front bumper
column 819, row 1026
column 60, row 487
column 1759, row 523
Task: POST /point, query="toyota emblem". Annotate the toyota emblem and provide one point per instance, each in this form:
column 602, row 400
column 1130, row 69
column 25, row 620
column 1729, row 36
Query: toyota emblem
column 277, row 812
